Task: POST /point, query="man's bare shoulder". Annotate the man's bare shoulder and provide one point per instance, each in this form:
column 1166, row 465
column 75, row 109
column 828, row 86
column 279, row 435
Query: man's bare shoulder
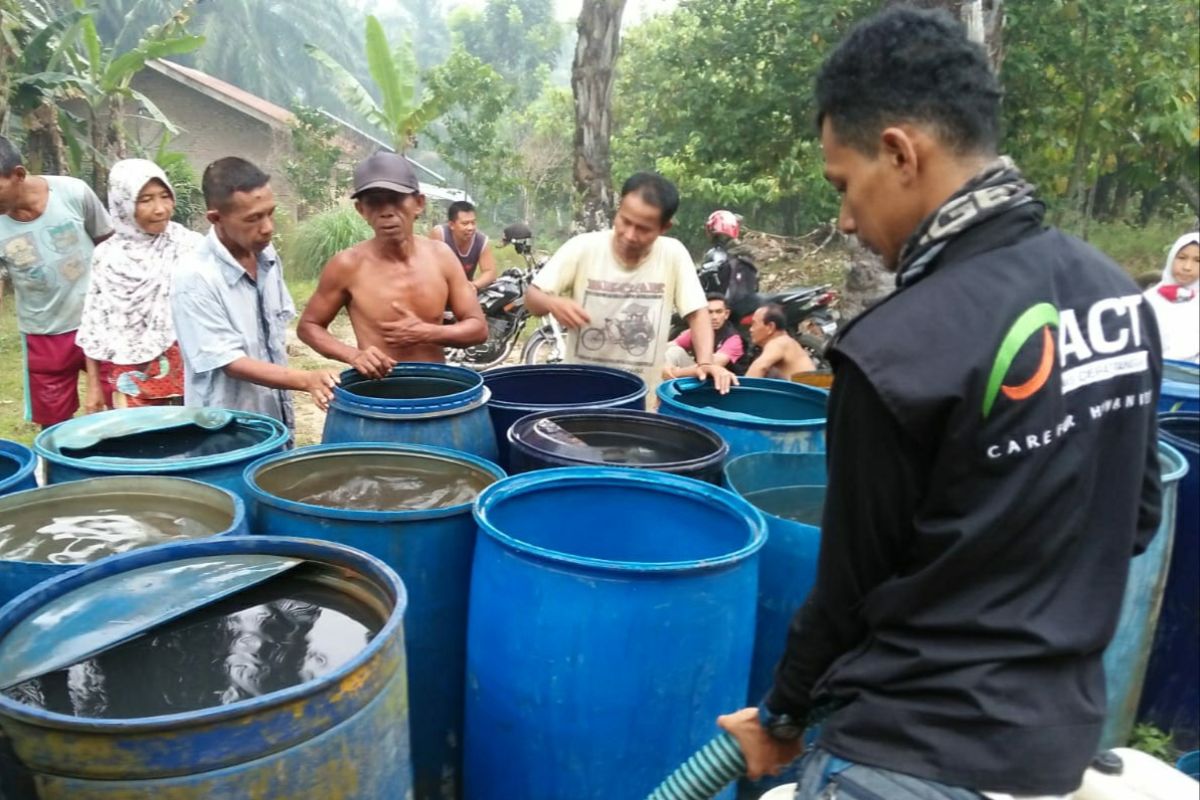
column 350, row 258
column 437, row 253
column 777, row 347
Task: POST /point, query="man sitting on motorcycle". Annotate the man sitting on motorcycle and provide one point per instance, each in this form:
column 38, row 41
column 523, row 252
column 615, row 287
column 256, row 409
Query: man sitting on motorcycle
column 728, row 267
column 781, row 356
column 461, row 233
column 681, row 360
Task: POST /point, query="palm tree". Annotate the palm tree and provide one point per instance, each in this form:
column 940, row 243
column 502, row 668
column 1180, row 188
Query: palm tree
column 272, row 65
column 394, row 73
column 259, row 45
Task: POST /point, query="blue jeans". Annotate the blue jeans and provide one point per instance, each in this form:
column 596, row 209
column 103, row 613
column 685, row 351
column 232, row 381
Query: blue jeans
column 824, row 776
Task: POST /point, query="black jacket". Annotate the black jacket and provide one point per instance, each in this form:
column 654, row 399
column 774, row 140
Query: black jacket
column 992, row 469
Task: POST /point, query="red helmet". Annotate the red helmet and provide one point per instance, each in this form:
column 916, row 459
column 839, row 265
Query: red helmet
column 723, row 222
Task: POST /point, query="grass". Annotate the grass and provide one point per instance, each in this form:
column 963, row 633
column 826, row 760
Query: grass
column 12, row 382
column 1139, row 250
column 1154, row 741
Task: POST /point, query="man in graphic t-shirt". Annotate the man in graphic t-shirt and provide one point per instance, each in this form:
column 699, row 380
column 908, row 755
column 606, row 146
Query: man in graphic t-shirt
column 615, row 290
column 49, row 226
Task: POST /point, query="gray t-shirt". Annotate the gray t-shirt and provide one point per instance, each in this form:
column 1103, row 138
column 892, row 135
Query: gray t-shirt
column 222, row 315
column 48, row 259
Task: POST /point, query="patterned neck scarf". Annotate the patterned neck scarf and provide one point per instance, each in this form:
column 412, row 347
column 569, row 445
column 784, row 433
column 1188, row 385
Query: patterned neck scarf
column 997, row 188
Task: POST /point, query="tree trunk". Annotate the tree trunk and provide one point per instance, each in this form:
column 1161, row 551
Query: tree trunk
column 591, row 83
column 1190, row 191
column 866, row 279
column 99, row 170
column 984, row 21
column 114, row 143
column 44, row 150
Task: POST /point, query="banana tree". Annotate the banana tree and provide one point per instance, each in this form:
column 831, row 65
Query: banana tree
column 108, row 77
column 398, row 112
column 34, row 76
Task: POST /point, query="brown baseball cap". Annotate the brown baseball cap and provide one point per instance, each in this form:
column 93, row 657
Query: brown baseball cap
column 384, row 170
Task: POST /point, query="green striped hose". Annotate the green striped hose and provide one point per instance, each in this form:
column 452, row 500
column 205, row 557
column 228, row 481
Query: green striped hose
column 706, row 773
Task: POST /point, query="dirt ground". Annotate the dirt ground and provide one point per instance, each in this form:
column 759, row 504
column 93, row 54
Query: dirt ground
column 310, row 420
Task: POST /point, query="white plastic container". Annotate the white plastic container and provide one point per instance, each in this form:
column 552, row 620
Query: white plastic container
column 1143, row 777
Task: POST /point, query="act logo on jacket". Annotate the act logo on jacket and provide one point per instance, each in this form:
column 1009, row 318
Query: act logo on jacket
column 1100, row 344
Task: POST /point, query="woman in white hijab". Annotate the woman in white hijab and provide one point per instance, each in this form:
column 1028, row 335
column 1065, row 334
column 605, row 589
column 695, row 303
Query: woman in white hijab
column 1176, row 300
column 126, row 322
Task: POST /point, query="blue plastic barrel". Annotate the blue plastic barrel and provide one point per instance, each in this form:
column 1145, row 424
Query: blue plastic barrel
column 116, row 495
column 759, row 415
column 17, row 465
column 611, row 621
column 1127, row 655
column 205, row 444
column 529, row 389
column 344, row 734
column 433, row 404
column 1180, row 387
column 778, row 483
column 1171, row 697
column 599, row 438
column 1189, row 764
column 430, row 549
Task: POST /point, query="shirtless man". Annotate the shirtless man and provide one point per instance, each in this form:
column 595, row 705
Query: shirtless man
column 781, row 356
column 396, row 285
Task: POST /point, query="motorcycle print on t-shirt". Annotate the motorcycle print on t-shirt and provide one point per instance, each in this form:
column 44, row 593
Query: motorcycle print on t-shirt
column 624, row 323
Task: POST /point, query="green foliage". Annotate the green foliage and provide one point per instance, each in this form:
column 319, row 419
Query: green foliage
column 107, row 73
column 320, row 237
column 1153, row 741
column 738, row 131
column 470, row 138
column 315, row 170
column 394, row 74
column 1101, row 100
column 1140, row 249
column 542, row 139
column 189, row 199
column 520, row 39
column 259, row 46
column 1100, row 108
column 34, row 45
column 12, row 377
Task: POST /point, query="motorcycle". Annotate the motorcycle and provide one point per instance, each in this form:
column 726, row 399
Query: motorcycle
column 503, row 304
column 811, row 312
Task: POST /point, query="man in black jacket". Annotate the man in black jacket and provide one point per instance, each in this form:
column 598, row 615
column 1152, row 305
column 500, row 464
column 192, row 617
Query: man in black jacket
column 992, row 463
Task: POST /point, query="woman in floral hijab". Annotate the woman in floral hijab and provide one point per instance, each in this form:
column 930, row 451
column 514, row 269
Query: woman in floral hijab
column 127, row 323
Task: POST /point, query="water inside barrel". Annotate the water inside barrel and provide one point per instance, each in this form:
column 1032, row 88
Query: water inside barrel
column 286, row 631
column 405, row 388
column 79, row 530
column 372, row 482
column 803, row 504
column 613, row 447
column 172, row 444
